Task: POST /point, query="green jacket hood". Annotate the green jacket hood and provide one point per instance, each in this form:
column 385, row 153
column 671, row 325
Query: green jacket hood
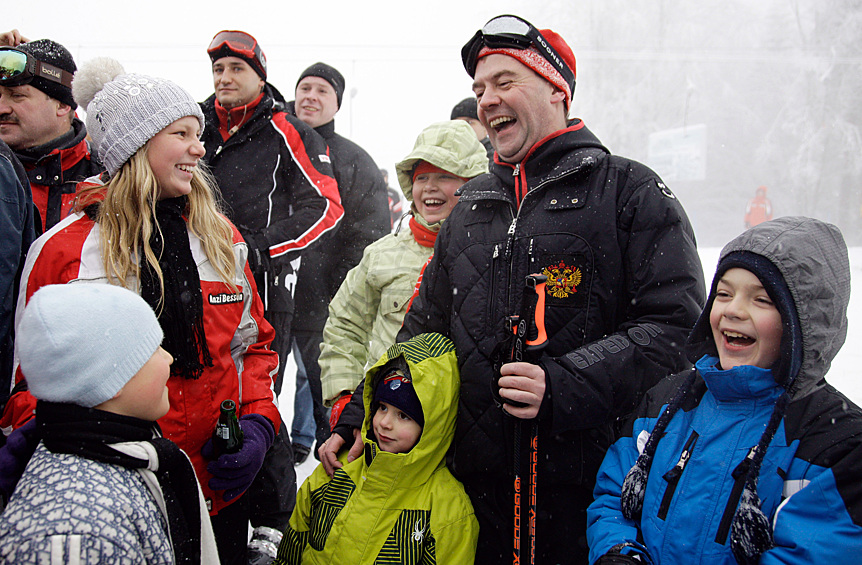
column 450, row 145
column 436, row 380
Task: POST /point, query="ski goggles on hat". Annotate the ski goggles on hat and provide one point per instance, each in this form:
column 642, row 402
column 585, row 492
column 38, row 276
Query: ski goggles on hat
column 237, row 42
column 512, row 32
column 18, row 68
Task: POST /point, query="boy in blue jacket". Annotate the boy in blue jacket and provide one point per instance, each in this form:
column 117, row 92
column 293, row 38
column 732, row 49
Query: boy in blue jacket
column 750, row 457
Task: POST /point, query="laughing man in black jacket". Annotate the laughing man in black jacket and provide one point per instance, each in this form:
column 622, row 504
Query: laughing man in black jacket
column 625, row 286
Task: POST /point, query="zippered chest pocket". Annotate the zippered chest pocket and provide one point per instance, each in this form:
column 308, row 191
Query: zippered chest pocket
column 673, row 476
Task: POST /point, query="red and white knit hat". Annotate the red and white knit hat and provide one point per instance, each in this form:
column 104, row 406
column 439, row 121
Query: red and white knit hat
column 538, row 63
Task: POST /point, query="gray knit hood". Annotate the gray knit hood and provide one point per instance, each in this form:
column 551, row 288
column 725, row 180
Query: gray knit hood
column 812, row 257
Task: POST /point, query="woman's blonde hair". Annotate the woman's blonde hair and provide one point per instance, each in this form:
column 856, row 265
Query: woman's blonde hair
column 127, row 213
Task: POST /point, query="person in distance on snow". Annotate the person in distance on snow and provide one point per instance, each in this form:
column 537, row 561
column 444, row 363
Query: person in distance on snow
column 751, row 456
column 151, row 224
column 103, row 485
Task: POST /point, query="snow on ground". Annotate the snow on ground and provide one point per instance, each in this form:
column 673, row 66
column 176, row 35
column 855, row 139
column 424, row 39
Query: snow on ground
column 842, row 375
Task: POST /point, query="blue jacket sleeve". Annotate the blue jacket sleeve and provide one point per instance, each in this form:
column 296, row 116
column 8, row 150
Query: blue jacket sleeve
column 607, row 528
column 816, row 524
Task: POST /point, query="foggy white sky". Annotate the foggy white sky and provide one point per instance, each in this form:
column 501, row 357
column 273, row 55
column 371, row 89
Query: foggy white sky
column 403, row 58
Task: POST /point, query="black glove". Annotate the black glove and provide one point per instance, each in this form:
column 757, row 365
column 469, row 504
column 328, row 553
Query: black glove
column 258, row 249
column 619, row 559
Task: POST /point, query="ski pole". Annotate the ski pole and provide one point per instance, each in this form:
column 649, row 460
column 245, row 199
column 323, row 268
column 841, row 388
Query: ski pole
column 529, row 340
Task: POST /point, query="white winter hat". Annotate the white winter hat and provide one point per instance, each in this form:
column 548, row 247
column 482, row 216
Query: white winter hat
column 81, row 343
column 125, row 110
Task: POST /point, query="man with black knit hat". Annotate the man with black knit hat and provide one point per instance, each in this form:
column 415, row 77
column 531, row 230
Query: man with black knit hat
column 319, row 92
column 278, row 186
column 624, row 287
column 37, row 121
column 466, row 110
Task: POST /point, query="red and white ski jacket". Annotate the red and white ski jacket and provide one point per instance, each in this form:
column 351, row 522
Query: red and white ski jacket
column 237, row 335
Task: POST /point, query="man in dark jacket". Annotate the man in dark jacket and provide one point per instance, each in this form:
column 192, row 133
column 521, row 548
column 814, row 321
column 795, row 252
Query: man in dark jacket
column 37, row 120
column 319, row 92
column 16, row 235
column 278, row 188
column 624, row 288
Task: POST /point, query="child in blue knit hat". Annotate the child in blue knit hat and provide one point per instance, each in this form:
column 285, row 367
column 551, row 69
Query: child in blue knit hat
column 103, row 485
column 750, row 457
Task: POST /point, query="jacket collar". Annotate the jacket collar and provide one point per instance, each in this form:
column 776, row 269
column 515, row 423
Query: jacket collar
column 50, row 164
column 562, row 153
column 230, row 121
column 68, row 147
column 263, row 111
column 548, row 153
column 743, row 383
column 327, row 130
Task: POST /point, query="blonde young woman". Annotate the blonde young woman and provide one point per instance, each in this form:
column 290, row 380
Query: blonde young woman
column 151, row 224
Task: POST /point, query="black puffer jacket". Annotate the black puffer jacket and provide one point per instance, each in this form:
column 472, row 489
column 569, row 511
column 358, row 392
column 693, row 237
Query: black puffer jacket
column 366, row 219
column 625, row 287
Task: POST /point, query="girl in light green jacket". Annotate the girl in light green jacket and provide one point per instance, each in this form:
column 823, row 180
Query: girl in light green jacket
column 366, row 313
column 398, row 503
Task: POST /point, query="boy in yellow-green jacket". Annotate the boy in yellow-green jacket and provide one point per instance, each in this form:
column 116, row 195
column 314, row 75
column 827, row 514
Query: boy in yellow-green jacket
column 398, row 502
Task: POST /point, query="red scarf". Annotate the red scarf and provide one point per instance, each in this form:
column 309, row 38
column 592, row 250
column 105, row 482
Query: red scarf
column 229, row 121
column 421, row 234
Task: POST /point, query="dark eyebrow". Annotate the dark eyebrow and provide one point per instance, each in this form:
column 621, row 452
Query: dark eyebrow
column 496, row 76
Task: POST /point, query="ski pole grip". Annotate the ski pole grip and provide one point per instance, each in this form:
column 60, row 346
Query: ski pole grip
column 539, row 337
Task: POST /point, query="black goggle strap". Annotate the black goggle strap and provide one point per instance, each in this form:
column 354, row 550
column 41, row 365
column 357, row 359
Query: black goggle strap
column 23, row 68
column 50, row 72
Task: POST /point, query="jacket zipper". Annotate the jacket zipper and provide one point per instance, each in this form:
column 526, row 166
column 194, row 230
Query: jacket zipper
column 494, row 256
column 556, row 178
column 673, row 476
column 739, row 475
column 510, row 241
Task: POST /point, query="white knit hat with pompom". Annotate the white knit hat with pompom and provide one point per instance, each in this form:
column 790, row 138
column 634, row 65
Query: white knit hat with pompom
column 125, row 110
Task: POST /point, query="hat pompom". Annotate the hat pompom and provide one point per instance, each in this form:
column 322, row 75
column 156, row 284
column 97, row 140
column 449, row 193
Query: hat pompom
column 92, row 77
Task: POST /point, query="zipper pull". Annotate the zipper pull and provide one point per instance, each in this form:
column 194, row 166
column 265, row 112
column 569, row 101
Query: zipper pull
column 219, row 149
column 517, row 170
column 742, row 469
column 496, row 251
column 677, row 469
